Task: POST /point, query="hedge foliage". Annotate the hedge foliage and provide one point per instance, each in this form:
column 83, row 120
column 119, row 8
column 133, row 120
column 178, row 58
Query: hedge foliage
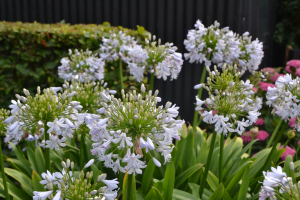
column 31, row 52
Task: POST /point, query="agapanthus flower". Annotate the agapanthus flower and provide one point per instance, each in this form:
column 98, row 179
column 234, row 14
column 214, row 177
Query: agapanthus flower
column 277, row 185
column 285, row 98
column 65, row 185
column 163, row 60
column 48, row 110
column 82, row 66
column 232, row 98
column 222, row 46
column 131, row 125
column 116, row 46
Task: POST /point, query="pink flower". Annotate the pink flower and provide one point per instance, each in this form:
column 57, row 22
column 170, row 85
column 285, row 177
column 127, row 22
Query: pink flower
column 262, row 135
column 297, row 73
column 259, row 121
column 293, row 63
column 288, row 151
column 247, row 137
column 264, row 86
column 254, row 89
column 292, row 122
column 270, row 70
column 299, row 142
column 275, row 77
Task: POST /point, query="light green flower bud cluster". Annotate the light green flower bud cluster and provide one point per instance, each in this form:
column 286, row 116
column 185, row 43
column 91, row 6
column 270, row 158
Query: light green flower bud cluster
column 68, row 186
column 231, row 98
column 4, row 114
column 88, row 94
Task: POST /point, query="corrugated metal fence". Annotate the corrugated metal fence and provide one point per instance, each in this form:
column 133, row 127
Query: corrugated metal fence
column 169, row 20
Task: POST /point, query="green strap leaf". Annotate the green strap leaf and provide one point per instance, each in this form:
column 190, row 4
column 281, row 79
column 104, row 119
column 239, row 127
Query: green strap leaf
column 182, row 195
column 169, row 182
column 40, row 160
column 218, row 194
column 31, row 158
column 188, row 152
column 245, row 184
column 25, row 182
column 286, row 167
column 186, row 174
column 22, row 158
column 36, row 178
column 147, row 177
column 212, row 180
column 129, row 187
column 16, row 192
column 154, row 194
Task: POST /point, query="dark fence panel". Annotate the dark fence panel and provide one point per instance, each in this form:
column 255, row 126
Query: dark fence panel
column 169, row 20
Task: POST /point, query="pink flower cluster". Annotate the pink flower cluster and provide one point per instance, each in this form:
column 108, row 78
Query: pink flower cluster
column 292, row 122
column 295, row 64
column 288, row 151
column 261, row 136
column 259, row 122
column 264, row 86
column 272, row 74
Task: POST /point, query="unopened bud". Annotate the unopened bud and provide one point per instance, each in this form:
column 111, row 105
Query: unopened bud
column 292, row 166
column 291, row 134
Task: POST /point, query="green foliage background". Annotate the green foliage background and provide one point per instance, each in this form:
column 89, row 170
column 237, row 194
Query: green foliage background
column 31, row 52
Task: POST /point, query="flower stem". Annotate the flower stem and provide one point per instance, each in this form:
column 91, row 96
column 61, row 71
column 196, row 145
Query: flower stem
column 151, row 82
column 199, row 95
column 3, row 173
column 286, row 143
column 203, row 75
column 250, row 149
column 47, row 150
column 273, row 148
column 121, row 73
column 221, row 158
column 81, row 150
column 274, row 134
column 297, row 151
column 207, row 165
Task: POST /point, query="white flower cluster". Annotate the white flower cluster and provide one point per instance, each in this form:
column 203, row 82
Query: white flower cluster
column 29, row 114
column 276, row 183
column 82, row 66
column 161, row 58
column 64, row 185
column 222, row 46
column 285, row 98
column 230, row 98
column 116, row 46
column 133, row 124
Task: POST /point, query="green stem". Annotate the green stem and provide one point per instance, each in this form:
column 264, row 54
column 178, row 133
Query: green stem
column 199, row 96
column 250, row 149
column 121, row 73
column 81, row 150
column 130, row 193
column 274, row 134
column 273, row 148
column 297, row 151
column 151, row 82
column 207, row 165
column 221, row 158
column 286, row 143
column 3, row 173
column 47, row 150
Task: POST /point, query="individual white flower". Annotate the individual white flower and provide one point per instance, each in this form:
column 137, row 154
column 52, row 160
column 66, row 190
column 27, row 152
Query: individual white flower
column 41, row 195
column 55, row 142
column 134, row 165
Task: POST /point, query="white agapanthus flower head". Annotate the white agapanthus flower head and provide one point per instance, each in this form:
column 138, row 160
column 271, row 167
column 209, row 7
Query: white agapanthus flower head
column 132, row 125
column 221, row 46
column 231, row 98
column 285, row 98
column 65, row 185
column 277, row 184
column 47, row 109
column 162, row 59
column 116, row 46
column 82, row 66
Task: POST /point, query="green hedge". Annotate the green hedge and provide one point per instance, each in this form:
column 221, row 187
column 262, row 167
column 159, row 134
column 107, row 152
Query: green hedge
column 31, row 52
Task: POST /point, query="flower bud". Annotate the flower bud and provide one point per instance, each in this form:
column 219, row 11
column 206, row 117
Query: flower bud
column 291, row 134
column 101, row 177
column 292, row 166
